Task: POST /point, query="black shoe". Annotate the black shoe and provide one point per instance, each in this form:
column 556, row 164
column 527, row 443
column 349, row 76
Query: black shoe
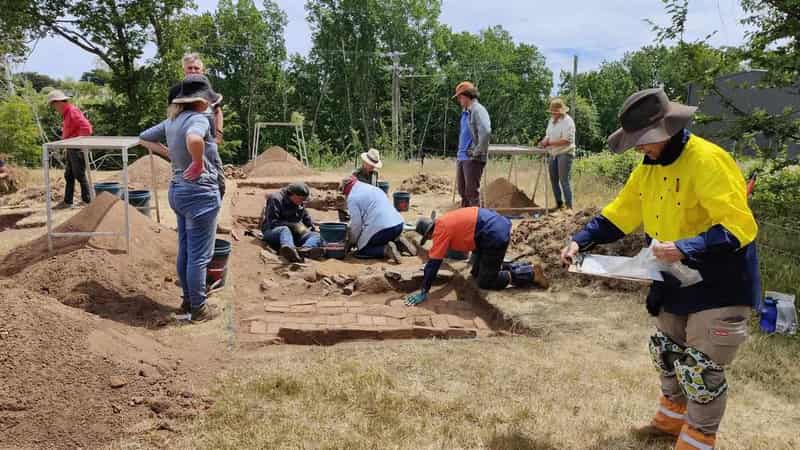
column 63, row 205
column 205, row 313
column 290, row 254
column 405, row 246
column 391, row 253
column 315, row 253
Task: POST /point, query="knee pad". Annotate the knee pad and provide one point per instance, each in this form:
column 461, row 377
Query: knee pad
column 692, row 371
column 665, row 352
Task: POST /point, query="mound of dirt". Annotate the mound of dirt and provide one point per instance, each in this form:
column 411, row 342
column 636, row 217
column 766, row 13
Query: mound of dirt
column 424, row 184
column 544, row 238
column 95, row 274
column 72, row 380
column 34, row 194
column 139, row 173
column 501, row 193
column 275, row 162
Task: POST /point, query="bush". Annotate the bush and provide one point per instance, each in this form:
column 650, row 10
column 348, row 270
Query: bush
column 615, row 167
column 777, row 196
column 18, row 132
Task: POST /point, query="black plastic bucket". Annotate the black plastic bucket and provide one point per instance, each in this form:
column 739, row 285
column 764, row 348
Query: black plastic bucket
column 141, row 201
column 401, row 201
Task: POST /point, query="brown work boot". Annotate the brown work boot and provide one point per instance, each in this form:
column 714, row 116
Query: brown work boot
column 290, row 254
column 205, row 313
column 405, row 246
column 539, row 278
column 391, row 252
column 651, row 432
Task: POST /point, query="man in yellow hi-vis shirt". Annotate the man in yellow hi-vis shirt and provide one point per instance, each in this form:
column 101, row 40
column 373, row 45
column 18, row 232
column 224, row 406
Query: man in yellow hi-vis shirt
column 689, row 195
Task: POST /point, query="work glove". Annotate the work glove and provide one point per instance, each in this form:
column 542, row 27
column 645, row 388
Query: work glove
column 416, row 299
column 194, row 171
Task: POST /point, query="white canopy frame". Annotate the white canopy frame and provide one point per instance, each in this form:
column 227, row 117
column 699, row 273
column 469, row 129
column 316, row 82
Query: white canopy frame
column 298, row 134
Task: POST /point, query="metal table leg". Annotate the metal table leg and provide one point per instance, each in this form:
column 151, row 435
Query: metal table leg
column 88, row 172
column 47, row 195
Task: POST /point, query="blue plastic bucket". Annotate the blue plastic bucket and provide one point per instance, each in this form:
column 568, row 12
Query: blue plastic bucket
column 141, row 201
column 217, row 270
column 769, row 315
column 111, row 187
column 384, row 185
column 401, row 201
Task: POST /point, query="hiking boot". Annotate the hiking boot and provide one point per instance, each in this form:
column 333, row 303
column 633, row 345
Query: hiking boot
column 315, row 253
column 62, row 205
column 205, row 313
column 650, row 432
column 539, row 278
column 391, row 253
column 290, row 254
column 405, row 246
column 185, row 308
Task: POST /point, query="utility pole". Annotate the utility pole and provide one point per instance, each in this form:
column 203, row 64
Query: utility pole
column 575, row 93
column 395, row 68
column 9, row 80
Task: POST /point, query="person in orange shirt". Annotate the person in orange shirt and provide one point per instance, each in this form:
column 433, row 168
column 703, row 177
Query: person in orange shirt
column 478, row 230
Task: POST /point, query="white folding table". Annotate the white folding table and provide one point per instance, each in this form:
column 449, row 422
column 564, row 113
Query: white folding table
column 101, row 144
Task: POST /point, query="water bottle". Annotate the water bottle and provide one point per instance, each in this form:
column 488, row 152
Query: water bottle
column 769, row 315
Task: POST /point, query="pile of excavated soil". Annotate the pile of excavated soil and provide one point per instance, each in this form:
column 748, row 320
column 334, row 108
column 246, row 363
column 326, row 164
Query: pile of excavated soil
column 501, row 193
column 275, row 162
column 545, row 237
column 139, row 173
column 35, row 194
column 72, row 380
column 96, row 274
column 424, row 184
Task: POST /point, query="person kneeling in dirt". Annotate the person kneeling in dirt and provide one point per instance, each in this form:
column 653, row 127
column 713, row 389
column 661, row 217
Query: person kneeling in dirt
column 370, row 163
column 375, row 225
column 5, row 178
column 285, row 224
column 690, row 195
column 478, row 230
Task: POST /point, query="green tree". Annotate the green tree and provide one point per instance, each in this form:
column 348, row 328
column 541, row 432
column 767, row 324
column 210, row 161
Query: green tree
column 114, row 31
column 18, row 132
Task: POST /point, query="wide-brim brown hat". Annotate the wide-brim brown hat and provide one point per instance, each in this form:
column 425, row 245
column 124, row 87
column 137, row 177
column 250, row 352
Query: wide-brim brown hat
column 648, row 117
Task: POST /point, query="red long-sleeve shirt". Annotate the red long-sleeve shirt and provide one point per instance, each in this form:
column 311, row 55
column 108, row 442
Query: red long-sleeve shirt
column 75, row 123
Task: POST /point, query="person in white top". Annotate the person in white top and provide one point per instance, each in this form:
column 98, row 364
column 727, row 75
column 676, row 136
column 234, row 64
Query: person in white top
column 559, row 141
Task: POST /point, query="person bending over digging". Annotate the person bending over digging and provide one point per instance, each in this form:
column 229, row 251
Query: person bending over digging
column 375, row 225
column 193, row 191
column 370, row 163
column 487, row 235
column 689, row 195
column 285, row 224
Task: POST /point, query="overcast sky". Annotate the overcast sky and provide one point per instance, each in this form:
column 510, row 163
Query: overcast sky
column 594, row 30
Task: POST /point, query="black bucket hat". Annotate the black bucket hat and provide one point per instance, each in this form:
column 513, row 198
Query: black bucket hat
column 193, row 88
column 425, row 227
column 648, row 117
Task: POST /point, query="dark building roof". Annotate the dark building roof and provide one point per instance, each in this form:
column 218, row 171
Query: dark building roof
column 738, row 93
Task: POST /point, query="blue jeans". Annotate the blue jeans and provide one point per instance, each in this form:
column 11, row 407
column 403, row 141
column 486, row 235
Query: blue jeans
column 374, row 247
column 560, row 168
column 282, row 237
column 196, row 208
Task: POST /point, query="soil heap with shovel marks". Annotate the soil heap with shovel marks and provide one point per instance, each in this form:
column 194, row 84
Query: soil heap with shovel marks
column 96, row 274
column 72, row 380
column 501, row 193
column 545, row 237
column 275, row 162
column 139, row 173
column 425, row 184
